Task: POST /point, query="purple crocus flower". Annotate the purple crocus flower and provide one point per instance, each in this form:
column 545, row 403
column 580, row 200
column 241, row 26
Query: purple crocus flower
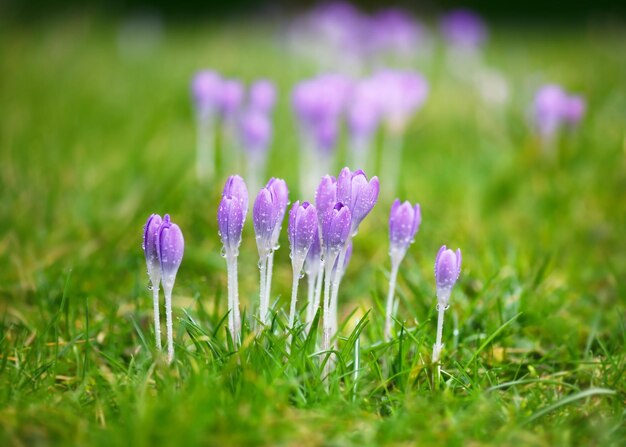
column 395, row 31
column 170, row 249
column 404, row 221
column 255, row 130
column 279, row 188
column 302, row 232
column 149, row 245
column 325, row 196
column 463, row 29
column 236, row 188
column 314, row 255
column 230, row 219
column 574, row 109
column 262, row 96
column 548, row 109
column 402, row 94
column 363, row 109
column 231, row 97
column 447, row 270
column 354, row 190
column 265, row 218
column 335, row 229
column 205, row 90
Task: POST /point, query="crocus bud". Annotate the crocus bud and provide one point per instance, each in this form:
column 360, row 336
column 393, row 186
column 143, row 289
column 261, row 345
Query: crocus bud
column 573, row 110
column 402, row 94
column 354, row 190
column 281, row 192
column 404, row 221
column 447, row 270
column 149, row 245
column 231, row 97
column 363, row 110
column 548, row 109
column 263, row 95
column 326, row 195
column 335, row 229
column 205, row 90
column 314, row 255
column 302, row 231
column 255, row 130
column 230, row 219
column 170, row 248
column 265, row 217
column 463, row 29
column 236, row 187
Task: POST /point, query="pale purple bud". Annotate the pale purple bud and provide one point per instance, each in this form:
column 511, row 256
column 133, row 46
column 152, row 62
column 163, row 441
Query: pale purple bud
column 265, row 218
column 149, row 245
column 205, row 90
column 574, row 110
column 402, row 94
column 394, row 30
column 354, row 190
column 548, row 109
column 170, row 248
column 231, row 97
column 279, row 189
column 263, row 95
column 447, row 270
column 325, row 196
column 230, row 219
column 364, row 110
column 464, row 29
column 255, row 130
column 335, row 228
column 404, row 221
column 314, row 256
column 236, row 187
column 302, row 230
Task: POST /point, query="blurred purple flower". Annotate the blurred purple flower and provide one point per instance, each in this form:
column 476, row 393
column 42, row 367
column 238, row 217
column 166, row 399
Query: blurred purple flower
column 574, row 110
column 255, row 130
column 364, row 109
column 262, row 96
column 206, row 92
column 463, row 29
column 394, row 30
column 230, row 98
column 402, row 93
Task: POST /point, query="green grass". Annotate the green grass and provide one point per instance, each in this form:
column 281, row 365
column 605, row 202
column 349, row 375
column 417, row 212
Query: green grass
column 91, row 143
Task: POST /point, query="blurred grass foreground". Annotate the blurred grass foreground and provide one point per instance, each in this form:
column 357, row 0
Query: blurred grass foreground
column 97, row 131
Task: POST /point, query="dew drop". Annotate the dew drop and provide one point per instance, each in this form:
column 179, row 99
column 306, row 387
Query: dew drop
column 223, row 252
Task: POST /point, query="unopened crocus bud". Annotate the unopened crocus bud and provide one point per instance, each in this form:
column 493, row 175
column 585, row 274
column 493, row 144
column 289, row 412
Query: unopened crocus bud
column 170, row 248
column 548, row 109
column 149, row 245
column 335, row 229
column 265, row 217
column 205, row 90
column 447, row 270
column 573, row 110
column 302, row 231
column 236, row 188
column 263, row 95
column 231, row 97
column 404, row 221
column 354, row 190
column 402, row 94
column 279, row 188
column 363, row 110
column 230, row 219
column 326, row 195
column 464, row 29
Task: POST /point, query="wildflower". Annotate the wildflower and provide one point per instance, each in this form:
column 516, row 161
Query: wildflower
column 404, row 221
column 150, row 237
column 463, row 29
column 205, row 90
column 447, row 270
column 170, row 249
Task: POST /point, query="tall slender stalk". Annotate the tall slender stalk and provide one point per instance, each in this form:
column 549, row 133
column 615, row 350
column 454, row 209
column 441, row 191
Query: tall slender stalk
column 234, row 317
column 167, row 291
column 157, row 318
column 337, row 275
column 390, row 299
column 311, row 279
column 268, row 281
column 264, row 306
column 327, row 325
column 438, row 345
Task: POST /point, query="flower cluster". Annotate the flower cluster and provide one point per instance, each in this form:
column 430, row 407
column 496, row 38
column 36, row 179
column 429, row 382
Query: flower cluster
column 163, row 246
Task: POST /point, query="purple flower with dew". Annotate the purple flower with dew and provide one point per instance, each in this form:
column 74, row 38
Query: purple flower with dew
column 255, row 131
column 313, row 259
column 170, row 249
column 302, row 231
column 402, row 94
column 354, row 190
column 463, row 29
column 279, row 188
column 231, row 97
column 335, row 229
column 236, row 188
column 230, row 220
column 548, row 109
column 404, row 221
column 265, row 218
column 262, row 96
column 325, row 196
column 205, row 90
column 447, row 270
column 150, row 249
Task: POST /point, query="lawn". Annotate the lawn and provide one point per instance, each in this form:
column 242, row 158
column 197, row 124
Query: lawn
column 93, row 140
